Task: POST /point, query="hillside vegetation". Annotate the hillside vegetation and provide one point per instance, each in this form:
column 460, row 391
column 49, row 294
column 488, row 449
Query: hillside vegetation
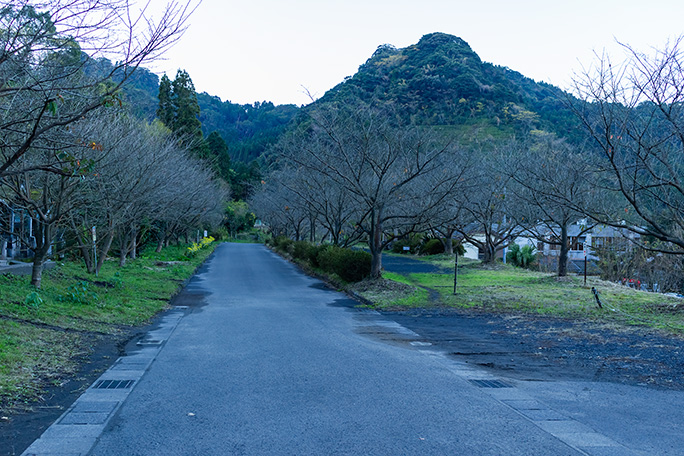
column 441, row 81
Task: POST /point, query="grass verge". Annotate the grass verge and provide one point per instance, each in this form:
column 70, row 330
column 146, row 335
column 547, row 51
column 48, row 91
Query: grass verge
column 503, row 288
column 45, row 333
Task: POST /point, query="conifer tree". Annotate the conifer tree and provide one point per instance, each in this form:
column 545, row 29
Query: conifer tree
column 219, row 150
column 179, row 110
column 166, row 111
column 186, row 122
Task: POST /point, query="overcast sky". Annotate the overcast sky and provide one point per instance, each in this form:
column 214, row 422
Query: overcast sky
column 268, row 50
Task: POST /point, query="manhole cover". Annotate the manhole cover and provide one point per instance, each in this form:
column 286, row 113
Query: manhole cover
column 490, row 384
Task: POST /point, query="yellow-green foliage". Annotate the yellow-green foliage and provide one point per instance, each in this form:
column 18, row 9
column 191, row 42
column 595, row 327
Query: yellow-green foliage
column 196, row 247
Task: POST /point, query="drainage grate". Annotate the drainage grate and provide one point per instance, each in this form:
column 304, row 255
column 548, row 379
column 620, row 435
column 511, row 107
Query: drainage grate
column 149, row 342
column 490, row 384
column 113, row 384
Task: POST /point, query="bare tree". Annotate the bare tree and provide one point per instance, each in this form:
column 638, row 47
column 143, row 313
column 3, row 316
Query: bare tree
column 285, row 210
column 550, row 182
column 634, row 111
column 48, row 197
column 488, row 211
column 142, row 177
column 396, row 178
column 48, row 75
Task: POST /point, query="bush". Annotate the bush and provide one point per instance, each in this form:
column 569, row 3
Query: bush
column 300, row 250
column 521, row 257
column 412, row 242
column 432, row 247
column 350, row 265
column 220, row 233
column 283, row 244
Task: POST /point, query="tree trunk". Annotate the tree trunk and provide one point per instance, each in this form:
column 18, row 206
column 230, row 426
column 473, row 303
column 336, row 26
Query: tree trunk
column 564, row 248
column 163, row 237
column 449, row 245
column 312, row 230
column 489, row 253
column 123, row 249
column 43, row 235
column 82, row 246
column 133, row 249
column 104, row 251
column 37, row 271
column 375, row 245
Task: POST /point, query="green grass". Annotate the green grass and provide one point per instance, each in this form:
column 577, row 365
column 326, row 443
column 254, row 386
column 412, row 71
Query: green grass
column 504, row 288
column 42, row 332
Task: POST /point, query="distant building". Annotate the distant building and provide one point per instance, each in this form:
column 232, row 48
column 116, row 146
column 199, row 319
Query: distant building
column 16, row 232
column 581, row 239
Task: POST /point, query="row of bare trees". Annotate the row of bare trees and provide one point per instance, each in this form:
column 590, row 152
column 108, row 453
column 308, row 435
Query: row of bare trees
column 71, row 158
column 356, row 174
column 129, row 176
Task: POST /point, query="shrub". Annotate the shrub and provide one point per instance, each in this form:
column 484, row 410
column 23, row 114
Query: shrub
column 412, row 242
column 350, row 265
column 521, row 257
column 301, row 249
column 33, row 300
column 220, row 233
column 432, row 247
column 283, row 244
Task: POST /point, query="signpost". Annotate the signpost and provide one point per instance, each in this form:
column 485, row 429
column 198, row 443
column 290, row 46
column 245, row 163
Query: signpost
column 95, row 249
column 455, row 271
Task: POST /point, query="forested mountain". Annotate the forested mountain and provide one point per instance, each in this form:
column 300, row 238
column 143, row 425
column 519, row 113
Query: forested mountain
column 442, row 81
column 438, row 81
column 247, row 129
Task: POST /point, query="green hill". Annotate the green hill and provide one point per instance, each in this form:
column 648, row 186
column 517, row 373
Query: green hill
column 442, row 81
column 438, row 81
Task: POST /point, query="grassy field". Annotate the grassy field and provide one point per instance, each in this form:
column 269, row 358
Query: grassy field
column 503, row 288
column 44, row 333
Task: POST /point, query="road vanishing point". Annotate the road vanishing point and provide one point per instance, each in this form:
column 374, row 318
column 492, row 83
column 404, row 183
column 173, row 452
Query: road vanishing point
column 256, row 358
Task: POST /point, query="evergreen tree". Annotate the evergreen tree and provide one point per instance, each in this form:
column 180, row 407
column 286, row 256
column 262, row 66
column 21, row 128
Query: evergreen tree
column 186, row 122
column 166, row 111
column 219, row 150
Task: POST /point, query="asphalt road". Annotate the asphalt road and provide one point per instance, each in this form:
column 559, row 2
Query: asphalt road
column 259, row 359
column 274, row 363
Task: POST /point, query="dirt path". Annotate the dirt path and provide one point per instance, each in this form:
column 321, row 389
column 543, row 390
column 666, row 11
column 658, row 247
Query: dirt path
column 543, row 349
column 546, row 348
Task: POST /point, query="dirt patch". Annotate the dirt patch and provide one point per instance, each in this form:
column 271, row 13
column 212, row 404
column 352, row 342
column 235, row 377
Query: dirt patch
column 544, row 349
column 380, row 290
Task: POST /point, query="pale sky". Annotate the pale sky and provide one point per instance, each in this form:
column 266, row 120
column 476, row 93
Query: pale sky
column 267, row 50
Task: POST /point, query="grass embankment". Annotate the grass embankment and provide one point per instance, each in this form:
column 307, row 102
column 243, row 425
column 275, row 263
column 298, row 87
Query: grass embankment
column 503, row 288
column 46, row 333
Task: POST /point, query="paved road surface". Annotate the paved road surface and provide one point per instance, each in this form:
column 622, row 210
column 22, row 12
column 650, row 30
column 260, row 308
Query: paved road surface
column 268, row 361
